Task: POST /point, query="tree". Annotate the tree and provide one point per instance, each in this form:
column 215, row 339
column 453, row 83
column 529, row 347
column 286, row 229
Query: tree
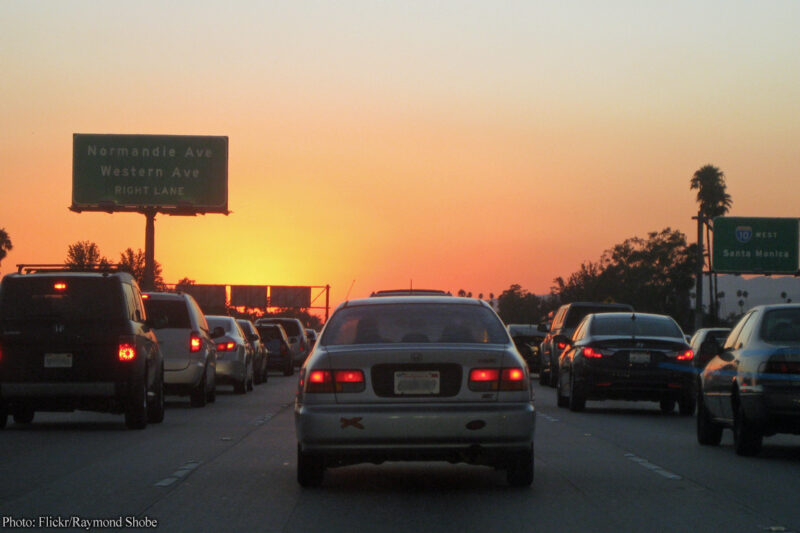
column 184, row 284
column 5, row 244
column 84, row 254
column 653, row 275
column 133, row 262
column 714, row 201
column 517, row 306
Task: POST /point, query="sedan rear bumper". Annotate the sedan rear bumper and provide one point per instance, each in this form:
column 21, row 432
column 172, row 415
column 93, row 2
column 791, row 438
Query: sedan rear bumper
column 397, row 429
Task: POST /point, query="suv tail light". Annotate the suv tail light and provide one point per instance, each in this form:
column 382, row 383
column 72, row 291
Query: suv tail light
column 327, row 381
column 229, row 346
column 561, row 345
column 126, row 351
column 284, row 349
column 494, row 379
column 195, row 342
column 688, row 355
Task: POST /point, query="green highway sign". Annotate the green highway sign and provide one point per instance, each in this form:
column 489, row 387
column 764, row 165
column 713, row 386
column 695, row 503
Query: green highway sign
column 176, row 174
column 755, row 245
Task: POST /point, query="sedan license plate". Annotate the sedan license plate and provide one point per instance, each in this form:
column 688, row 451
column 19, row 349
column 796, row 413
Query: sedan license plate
column 416, row 382
column 58, row 360
column 640, row 357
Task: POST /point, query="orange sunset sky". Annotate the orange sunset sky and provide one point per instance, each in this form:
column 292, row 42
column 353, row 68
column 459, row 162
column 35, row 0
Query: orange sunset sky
column 456, row 144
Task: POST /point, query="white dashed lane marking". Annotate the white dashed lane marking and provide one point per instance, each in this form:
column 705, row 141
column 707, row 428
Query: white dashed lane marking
column 652, row 467
column 182, row 472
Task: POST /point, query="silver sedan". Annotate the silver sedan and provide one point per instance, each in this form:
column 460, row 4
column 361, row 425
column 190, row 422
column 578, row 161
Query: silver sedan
column 414, row 378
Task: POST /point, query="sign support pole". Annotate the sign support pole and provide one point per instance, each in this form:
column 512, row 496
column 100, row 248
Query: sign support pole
column 698, row 311
column 149, row 250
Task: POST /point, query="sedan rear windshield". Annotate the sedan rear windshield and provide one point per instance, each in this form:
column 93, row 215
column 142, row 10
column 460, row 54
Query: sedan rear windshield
column 418, row 322
column 650, row 326
column 781, row 325
column 168, row 313
column 67, row 299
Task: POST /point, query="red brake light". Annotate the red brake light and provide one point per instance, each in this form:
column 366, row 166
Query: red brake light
column 688, row 355
column 493, row 379
column 561, row 345
column 126, row 350
column 484, row 374
column 195, row 343
column 591, row 353
column 145, row 296
column 60, row 286
column 226, row 346
column 325, row 381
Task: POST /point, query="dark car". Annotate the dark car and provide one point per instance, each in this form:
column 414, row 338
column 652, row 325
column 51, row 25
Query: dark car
column 260, row 374
column 527, row 339
column 626, row 356
column 705, row 344
column 279, row 352
column 77, row 340
column 753, row 384
column 564, row 323
column 298, row 342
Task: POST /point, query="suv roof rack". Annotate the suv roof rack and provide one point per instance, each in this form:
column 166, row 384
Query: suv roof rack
column 31, row 268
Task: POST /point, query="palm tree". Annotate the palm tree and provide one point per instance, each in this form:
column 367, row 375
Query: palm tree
column 5, row 244
column 714, row 202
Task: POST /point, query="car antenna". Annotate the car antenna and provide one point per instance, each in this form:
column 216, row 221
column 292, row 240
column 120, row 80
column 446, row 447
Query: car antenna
column 348, row 291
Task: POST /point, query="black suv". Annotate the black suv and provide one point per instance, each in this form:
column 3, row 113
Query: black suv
column 77, row 340
column 564, row 323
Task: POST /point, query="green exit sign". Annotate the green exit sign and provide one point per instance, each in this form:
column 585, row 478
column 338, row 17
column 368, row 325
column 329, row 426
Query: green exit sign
column 746, row 245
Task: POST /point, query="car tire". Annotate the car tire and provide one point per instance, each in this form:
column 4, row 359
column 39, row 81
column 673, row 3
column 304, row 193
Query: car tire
column 3, row 415
column 199, row 395
column 24, row 415
column 577, row 398
column 289, row 370
column 553, row 376
column 519, row 471
column 747, row 438
column 212, row 390
column 561, row 400
column 544, row 377
column 666, row 406
column 250, row 377
column 264, row 372
column 686, row 405
column 310, row 469
column 136, row 408
column 709, row 433
column 155, row 409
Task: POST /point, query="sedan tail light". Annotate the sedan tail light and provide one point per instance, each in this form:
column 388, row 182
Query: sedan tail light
column 195, row 342
column 591, row 353
column 688, row 355
column 226, row 347
column 494, row 379
column 126, row 350
column 327, row 381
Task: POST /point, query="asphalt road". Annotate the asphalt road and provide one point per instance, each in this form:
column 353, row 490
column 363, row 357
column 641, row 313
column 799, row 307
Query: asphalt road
column 231, row 467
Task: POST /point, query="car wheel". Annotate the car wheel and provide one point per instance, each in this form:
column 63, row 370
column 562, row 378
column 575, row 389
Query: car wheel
column 212, row 390
column 136, row 408
column 250, row 376
column 310, row 469
column 519, row 471
column 553, row 376
column 3, row 415
column 561, row 400
column 155, row 408
column 23, row 415
column 264, row 372
column 747, row 438
column 686, row 405
column 199, row 395
column 577, row 398
column 709, row 433
column 289, row 370
column 667, row 406
column 544, row 377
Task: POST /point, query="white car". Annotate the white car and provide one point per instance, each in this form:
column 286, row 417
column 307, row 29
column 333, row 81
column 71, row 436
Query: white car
column 414, row 378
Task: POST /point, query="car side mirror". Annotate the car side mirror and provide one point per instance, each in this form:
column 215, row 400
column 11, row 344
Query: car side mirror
column 217, row 332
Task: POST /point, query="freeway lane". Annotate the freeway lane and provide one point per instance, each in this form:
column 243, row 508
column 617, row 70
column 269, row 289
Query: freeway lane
column 231, row 467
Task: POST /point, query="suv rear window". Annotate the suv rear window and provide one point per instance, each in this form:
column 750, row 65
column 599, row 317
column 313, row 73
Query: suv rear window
column 577, row 313
column 67, row 299
column 435, row 323
column 269, row 332
column 289, row 326
column 173, row 313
